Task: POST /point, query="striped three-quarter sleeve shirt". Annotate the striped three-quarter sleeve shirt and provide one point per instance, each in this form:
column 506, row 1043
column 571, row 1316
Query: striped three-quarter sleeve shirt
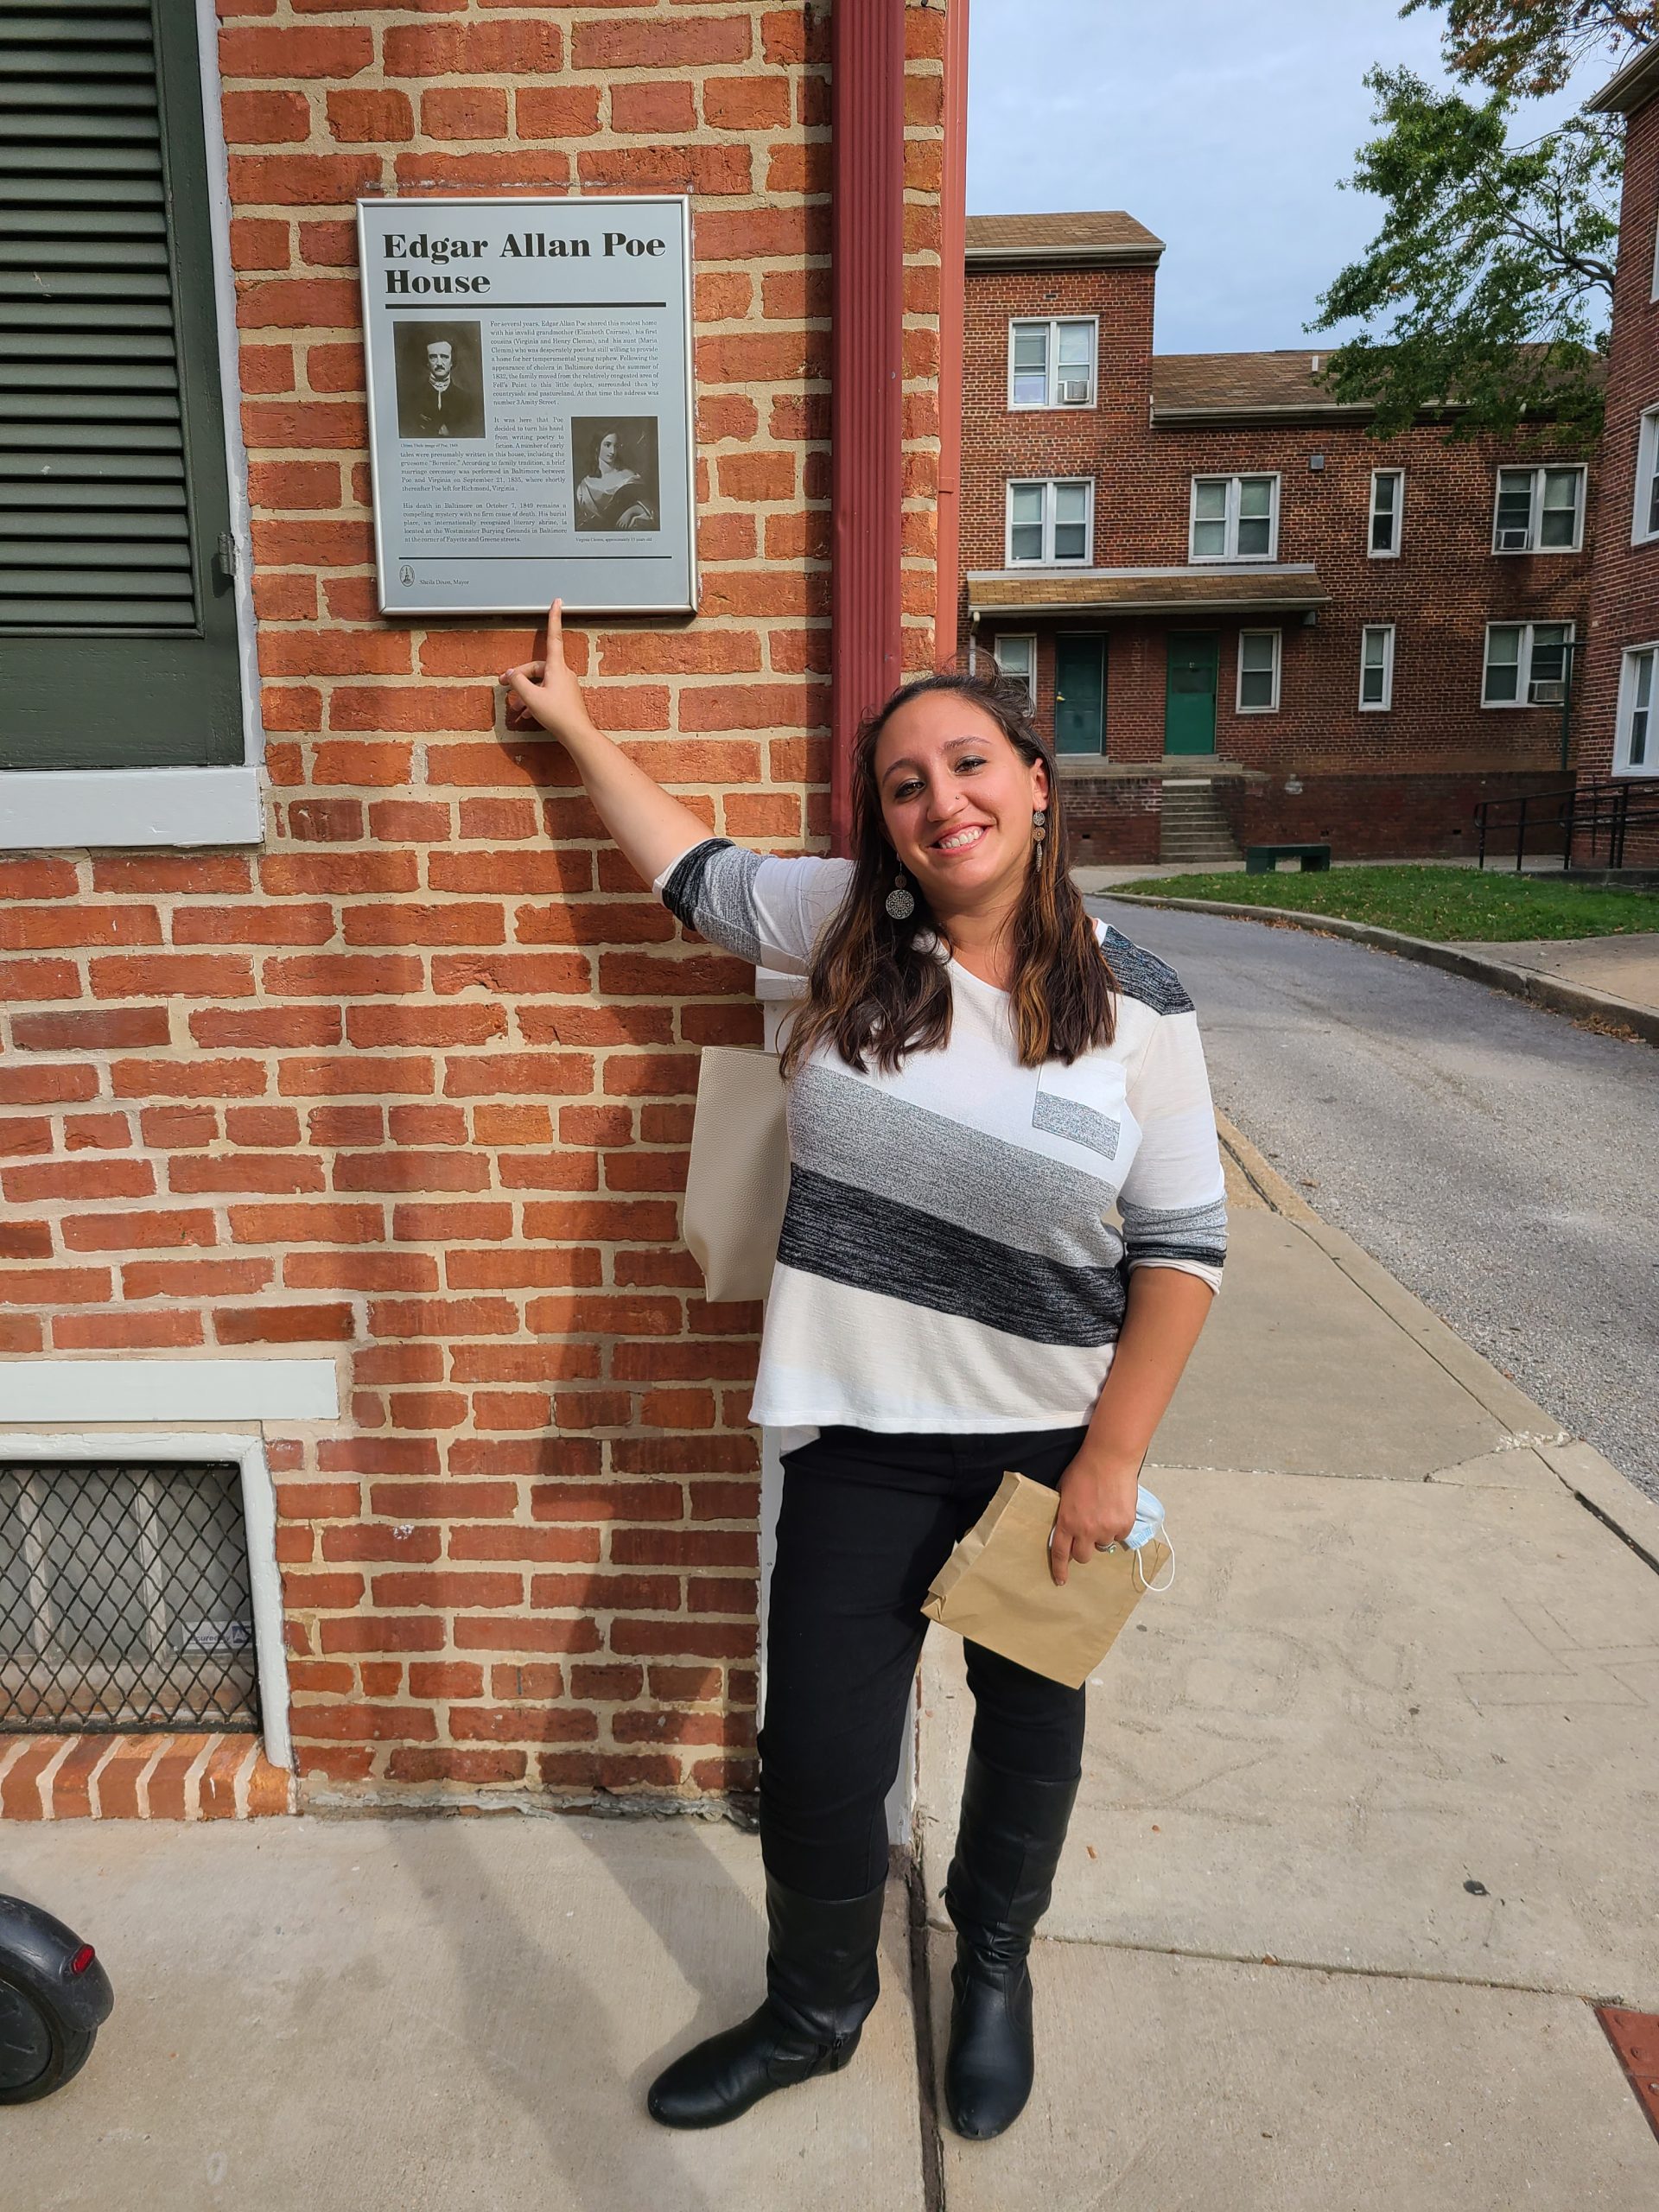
column 959, row 1234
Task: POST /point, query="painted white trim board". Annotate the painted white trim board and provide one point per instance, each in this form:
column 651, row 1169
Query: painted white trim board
column 83, row 1391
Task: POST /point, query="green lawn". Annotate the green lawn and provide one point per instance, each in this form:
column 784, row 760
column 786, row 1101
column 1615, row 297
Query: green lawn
column 1429, row 901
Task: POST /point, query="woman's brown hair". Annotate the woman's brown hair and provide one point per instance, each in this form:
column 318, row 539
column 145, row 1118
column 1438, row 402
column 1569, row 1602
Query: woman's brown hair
column 878, row 986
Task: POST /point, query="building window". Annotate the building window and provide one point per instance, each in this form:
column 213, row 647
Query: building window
column 1634, row 751
column 116, row 577
column 1539, row 511
column 1051, row 521
column 1017, row 657
column 1376, row 667
column 1645, row 521
column 1234, row 518
column 1653, row 289
column 1526, row 663
column 1258, row 671
column 1052, row 363
column 1388, row 503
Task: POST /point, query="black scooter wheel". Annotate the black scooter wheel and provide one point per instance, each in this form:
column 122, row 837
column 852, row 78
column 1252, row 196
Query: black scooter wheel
column 39, row 2049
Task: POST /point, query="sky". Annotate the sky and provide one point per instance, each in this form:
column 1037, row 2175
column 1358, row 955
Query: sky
column 1223, row 126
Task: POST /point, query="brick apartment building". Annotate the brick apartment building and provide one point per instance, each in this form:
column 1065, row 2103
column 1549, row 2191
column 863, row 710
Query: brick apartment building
column 347, row 1068
column 1617, row 744
column 1242, row 618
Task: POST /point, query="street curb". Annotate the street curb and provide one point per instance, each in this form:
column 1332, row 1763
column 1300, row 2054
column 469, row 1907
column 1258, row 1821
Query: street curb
column 1577, row 1001
column 1591, row 1478
column 1506, row 1402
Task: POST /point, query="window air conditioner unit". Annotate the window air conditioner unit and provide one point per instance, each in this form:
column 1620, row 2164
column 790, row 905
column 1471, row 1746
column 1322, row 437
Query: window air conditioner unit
column 1074, row 391
column 1515, row 541
column 1545, row 694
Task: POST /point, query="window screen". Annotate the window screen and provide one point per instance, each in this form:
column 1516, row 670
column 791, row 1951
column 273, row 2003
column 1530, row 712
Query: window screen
column 124, row 1598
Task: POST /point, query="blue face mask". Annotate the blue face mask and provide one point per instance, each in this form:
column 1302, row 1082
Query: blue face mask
column 1149, row 1521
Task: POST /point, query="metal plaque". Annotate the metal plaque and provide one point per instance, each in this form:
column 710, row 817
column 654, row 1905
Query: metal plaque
column 530, row 424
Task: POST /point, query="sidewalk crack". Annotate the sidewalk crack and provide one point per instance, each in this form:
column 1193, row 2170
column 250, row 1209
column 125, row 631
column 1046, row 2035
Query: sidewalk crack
column 921, row 2007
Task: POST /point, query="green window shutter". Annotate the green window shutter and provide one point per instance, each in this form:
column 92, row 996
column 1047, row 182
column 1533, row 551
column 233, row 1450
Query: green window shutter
column 118, row 616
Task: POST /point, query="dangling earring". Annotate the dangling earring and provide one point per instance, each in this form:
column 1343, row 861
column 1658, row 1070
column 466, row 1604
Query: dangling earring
column 898, row 902
column 1040, row 825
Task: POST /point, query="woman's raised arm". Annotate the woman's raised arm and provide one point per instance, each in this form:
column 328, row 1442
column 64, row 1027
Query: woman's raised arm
column 650, row 827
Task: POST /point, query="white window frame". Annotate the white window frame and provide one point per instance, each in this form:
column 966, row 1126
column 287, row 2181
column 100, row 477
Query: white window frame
column 1382, row 706
column 1647, row 468
column 1271, row 708
column 1653, row 289
column 1233, row 481
column 92, row 808
column 1523, row 672
column 1052, row 363
column 259, row 1522
column 1027, row 637
column 1623, row 733
column 1532, row 548
column 1391, row 552
column 1049, row 559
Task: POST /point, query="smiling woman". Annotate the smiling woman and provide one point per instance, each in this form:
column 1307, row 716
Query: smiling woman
column 1005, row 1224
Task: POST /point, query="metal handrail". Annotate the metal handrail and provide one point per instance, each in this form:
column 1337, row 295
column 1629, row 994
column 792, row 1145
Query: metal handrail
column 1611, row 804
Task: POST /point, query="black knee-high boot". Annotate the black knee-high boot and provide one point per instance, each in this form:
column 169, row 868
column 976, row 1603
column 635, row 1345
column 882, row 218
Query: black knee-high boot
column 822, row 1981
column 998, row 1888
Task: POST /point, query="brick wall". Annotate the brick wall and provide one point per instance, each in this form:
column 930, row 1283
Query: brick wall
column 410, row 1086
column 1439, row 595
column 1624, row 608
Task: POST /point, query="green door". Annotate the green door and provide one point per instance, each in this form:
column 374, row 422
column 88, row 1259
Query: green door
column 1190, row 695
column 1079, row 694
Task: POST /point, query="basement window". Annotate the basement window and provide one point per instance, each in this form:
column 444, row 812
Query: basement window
column 125, row 1600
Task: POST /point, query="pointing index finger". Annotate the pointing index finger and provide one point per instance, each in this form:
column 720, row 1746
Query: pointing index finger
column 555, row 649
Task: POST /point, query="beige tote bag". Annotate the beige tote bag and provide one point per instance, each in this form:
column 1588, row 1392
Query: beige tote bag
column 738, row 1178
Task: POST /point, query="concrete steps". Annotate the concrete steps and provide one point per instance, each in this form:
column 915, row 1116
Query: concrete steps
column 1193, row 831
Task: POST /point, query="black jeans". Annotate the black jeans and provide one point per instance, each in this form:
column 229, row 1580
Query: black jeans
column 867, row 1522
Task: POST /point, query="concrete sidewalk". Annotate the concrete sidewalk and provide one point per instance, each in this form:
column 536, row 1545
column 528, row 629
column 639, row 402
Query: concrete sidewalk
column 1367, row 1822
column 1624, row 969
column 1367, row 1815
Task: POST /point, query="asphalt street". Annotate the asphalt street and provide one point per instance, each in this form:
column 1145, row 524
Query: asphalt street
column 1499, row 1160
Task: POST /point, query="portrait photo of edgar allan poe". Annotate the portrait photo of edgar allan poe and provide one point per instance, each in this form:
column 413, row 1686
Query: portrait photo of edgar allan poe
column 614, row 463
column 439, row 380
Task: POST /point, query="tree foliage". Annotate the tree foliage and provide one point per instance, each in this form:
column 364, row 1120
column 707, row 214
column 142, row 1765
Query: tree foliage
column 1490, row 282
column 1527, row 47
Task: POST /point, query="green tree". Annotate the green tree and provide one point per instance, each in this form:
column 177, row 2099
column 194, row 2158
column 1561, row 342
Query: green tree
column 1490, row 280
column 1530, row 47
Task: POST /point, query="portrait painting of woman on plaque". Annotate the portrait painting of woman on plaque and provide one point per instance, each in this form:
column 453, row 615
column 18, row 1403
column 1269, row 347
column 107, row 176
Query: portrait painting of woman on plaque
column 614, row 460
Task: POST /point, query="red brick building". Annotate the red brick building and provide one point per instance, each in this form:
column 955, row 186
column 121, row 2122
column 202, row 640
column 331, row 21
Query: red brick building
column 1619, row 747
column 1243, row 618
column 347, row 1069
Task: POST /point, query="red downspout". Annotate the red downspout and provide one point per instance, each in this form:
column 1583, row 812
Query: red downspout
column 867, row 61
column 953, row 309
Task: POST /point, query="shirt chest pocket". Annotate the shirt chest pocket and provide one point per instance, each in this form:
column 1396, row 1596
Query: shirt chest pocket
column 1085, row 1103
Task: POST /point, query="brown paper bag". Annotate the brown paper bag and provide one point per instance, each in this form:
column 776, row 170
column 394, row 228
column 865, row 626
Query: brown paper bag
column 995, row 1588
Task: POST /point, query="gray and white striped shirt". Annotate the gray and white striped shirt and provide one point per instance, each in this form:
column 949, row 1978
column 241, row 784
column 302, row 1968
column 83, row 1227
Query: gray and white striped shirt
column 959, row 1234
